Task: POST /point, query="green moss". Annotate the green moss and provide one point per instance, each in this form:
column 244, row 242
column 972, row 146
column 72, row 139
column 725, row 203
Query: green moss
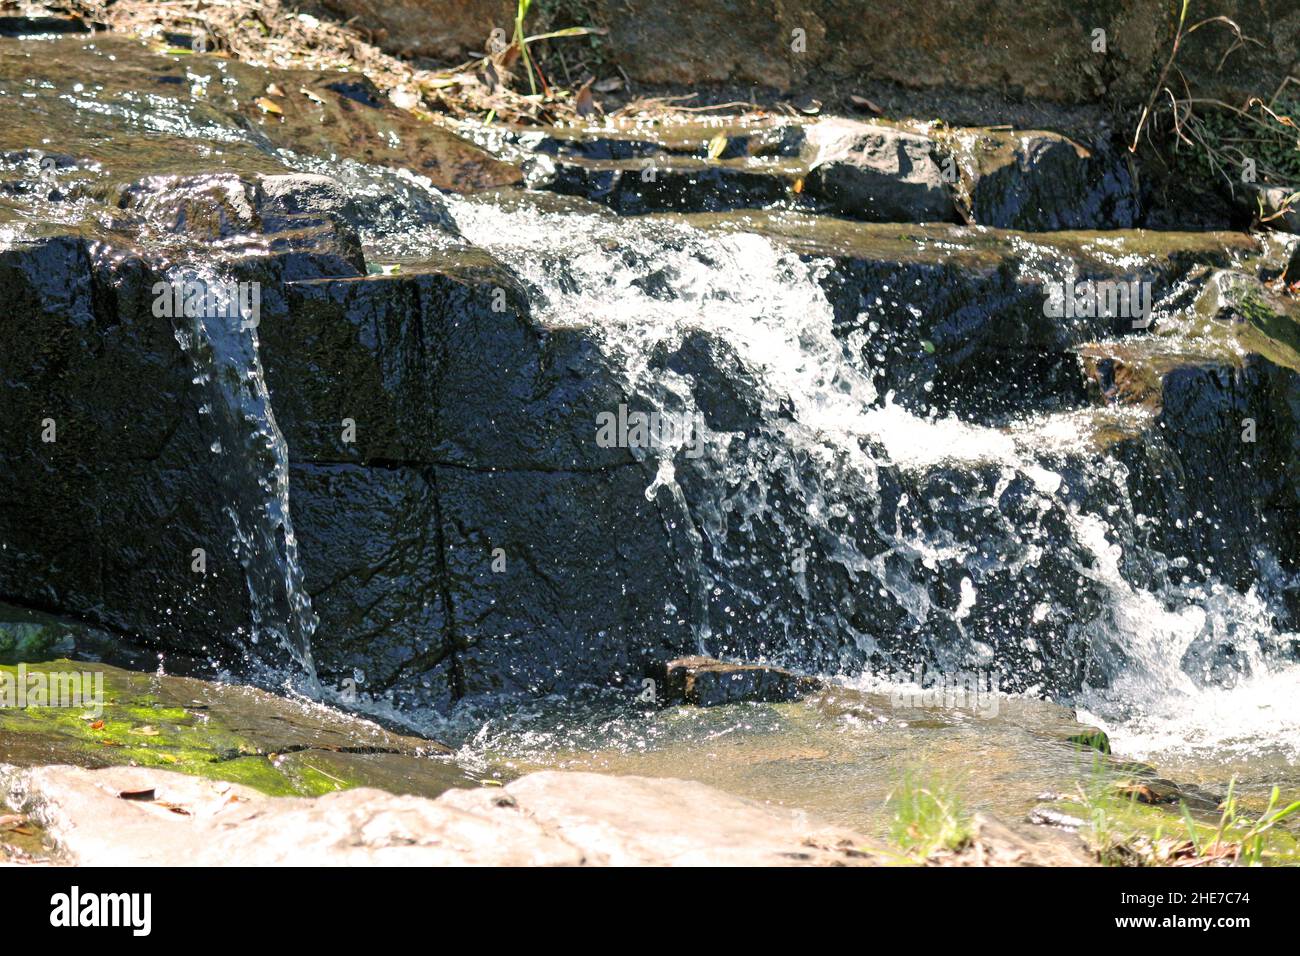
column 136, row 729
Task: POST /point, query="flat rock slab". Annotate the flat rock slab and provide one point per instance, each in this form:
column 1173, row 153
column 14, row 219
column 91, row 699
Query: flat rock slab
column 218, row 731
column 706, row 682
column 134, row 816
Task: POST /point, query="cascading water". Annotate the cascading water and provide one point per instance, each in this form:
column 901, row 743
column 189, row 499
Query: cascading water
column 252, row 464
column 907, row 536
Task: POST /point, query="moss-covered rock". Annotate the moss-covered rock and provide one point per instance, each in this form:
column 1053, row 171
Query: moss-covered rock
column 238, row 734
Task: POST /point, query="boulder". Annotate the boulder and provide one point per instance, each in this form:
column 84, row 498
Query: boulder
column 1042, row 182
column 706, row 682
column 876, row 172
column 1216, row 463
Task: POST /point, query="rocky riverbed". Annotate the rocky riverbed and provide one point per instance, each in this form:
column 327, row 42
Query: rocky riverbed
column 532, row 471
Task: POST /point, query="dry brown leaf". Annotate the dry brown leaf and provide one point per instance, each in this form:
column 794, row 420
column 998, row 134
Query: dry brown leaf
column 584, row 103
column 268, row 106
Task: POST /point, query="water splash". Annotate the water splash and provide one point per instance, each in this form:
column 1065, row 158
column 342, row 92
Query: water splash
column 903, row 534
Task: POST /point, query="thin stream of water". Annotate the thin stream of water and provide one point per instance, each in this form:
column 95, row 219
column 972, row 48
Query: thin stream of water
column 252, row 462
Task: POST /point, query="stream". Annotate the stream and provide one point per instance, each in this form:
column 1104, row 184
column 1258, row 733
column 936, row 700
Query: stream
column 882, row 463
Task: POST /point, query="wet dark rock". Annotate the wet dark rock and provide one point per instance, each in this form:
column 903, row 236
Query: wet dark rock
column 461, row 532
column 83, row 350
column 672, row 185
column 706, row 682
column 305, row 221
column 1216, row 465
column 776, row 137
column 1042, row 182
column 876, row 172
column 371, row 562
column 399, row 532
column 406, row 357
column 558, row 579
column 954, row 320
column 689, row 167
column 17, row 25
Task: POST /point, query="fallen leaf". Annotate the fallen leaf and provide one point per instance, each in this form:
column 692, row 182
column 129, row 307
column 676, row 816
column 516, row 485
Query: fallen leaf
column 97, row 725
column 717, row 145
column 609, row 84
column 798, row 186
column 273, row 90
column 268, row 106
column 310, row 95
column 11, row 820
column 174, row 808
column 1140, row 792
column 584, row 103
column 862, row 103
column 136, row 794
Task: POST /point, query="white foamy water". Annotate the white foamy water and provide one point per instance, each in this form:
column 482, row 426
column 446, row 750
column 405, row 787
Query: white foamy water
column 639, row 284
column 1258, row 717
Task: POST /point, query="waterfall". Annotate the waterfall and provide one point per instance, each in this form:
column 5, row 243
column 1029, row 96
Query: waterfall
column 906, row 534
column 251, row 461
